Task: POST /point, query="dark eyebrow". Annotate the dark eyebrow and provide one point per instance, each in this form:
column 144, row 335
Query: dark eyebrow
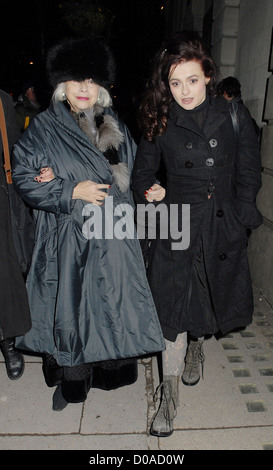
column 191, row 76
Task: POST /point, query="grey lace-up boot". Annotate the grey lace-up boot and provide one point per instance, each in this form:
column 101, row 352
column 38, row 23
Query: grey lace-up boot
column 162, row 425
column 193, row 359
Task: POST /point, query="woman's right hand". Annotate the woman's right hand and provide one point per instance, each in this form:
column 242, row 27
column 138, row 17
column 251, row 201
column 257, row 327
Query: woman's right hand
column 90, row 192
column 155, row 194
column 46, row 175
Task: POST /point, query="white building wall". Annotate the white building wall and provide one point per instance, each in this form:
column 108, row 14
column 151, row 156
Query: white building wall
column 253, row 52
column 224, row 35
column 261, row 240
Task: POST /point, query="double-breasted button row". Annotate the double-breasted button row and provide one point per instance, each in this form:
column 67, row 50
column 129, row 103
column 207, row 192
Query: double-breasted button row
column 189, row 145
column 209, row 162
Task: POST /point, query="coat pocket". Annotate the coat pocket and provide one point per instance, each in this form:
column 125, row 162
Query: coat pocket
column 247, row 214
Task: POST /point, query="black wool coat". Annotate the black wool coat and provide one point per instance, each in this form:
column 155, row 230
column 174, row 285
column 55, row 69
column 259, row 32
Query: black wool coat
column 14, row 312
column 205, row 286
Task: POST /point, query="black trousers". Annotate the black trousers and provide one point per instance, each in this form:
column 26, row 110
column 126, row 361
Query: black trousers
column 76, row 381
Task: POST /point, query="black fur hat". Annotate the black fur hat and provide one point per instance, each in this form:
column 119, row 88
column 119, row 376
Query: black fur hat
column 79, row 59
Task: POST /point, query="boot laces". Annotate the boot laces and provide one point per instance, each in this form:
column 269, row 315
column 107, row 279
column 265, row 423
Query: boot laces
column 165, row 390
column 197, row 355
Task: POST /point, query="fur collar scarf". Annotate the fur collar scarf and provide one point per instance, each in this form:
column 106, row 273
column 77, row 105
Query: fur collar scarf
column 103, row 131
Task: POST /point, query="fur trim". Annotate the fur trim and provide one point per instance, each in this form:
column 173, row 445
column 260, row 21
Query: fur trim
column 88, row 125
column 104, row 133
column 109, row 134
column 121, row 176
column 79, row 59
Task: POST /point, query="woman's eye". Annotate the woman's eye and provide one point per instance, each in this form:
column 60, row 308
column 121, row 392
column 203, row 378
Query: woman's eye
column 194, row 80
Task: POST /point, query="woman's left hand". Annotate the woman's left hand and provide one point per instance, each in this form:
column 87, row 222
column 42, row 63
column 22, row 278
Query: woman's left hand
column 155, row 193
column 46, row 175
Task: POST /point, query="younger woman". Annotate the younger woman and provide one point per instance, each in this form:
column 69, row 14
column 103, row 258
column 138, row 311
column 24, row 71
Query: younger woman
column 205, row 287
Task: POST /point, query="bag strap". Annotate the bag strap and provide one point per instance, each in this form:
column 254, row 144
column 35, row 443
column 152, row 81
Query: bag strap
column 7, row 165
column 234, row 117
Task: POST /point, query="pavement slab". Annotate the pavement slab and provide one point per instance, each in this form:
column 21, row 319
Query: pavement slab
column 231, row 408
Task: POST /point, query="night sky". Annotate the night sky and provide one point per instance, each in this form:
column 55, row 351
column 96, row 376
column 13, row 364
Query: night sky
column 134, row 30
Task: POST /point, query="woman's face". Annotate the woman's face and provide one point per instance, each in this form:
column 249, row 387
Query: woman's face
column 81, row 95
column 187, row 83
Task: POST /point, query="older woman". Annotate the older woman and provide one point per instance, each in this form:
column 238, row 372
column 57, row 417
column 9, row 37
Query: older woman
column 89, row 298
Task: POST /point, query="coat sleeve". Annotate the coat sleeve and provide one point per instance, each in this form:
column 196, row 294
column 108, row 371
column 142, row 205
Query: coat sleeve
column 146, row 167
column 28, row 157
column 248, row 171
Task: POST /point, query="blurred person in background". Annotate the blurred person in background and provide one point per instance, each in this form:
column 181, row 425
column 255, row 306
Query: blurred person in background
column 27, row 106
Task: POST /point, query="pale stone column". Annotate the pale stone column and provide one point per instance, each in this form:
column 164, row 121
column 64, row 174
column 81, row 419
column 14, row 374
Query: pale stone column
column 224, row 35
column 261, row 239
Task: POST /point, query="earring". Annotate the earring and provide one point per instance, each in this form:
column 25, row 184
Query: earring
column 64, row 96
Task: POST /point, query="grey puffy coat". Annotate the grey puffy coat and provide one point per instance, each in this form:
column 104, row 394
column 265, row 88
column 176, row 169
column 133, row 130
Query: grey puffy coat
column 89, row 298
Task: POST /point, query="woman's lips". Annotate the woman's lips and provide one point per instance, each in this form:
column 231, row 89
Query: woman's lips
column 187, row 100
column 82, row 98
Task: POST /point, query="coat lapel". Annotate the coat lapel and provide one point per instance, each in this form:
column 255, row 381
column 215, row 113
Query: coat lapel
column 93, row 157
column 182, row 119
column 215, row 118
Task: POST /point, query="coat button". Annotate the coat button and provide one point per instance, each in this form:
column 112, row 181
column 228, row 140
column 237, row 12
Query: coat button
column 211, row 188
column 220, row 213
column 213, row 143
column 222, row 256
column 209, row 161
column 188, row 164
column 188, row 145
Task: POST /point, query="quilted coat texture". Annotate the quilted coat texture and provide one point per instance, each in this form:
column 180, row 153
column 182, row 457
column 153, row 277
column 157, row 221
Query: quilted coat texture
column 89, row 297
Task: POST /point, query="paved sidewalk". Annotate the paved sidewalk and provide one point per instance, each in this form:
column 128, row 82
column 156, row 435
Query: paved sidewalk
column 230, row 409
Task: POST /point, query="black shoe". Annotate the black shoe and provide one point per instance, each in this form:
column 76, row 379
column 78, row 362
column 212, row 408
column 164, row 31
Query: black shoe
column 75, row 391
column 59, row 402
column 53, row 373
column 14, row 360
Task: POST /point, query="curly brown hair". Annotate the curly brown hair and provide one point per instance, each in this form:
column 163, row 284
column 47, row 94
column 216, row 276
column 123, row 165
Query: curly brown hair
column 155, row 105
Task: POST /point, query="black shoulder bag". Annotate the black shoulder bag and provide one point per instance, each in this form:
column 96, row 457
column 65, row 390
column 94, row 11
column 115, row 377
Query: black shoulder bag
column 22, row 224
